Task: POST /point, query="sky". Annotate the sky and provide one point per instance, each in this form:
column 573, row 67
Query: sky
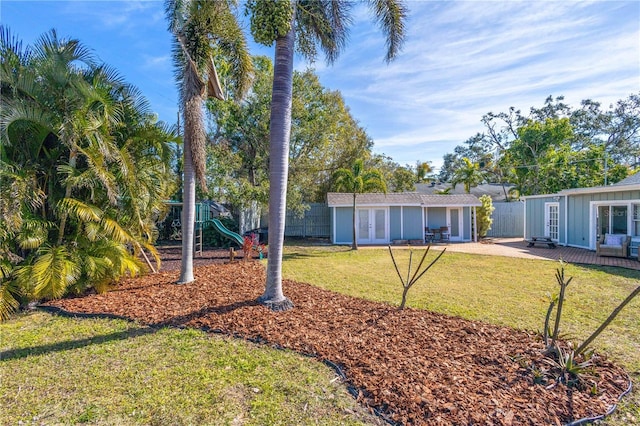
column 460, row 60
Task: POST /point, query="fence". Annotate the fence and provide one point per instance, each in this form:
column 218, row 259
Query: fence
column 315, row 222
column 508, row 220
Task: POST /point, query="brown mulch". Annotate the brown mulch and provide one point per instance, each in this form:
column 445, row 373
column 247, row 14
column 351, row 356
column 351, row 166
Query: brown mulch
column 412, row 366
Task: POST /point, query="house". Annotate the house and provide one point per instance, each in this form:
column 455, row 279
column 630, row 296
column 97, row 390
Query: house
column 497, row 192
column 578, row 217
column 384, row 218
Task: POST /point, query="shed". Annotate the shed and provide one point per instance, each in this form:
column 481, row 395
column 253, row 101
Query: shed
column 383, row 218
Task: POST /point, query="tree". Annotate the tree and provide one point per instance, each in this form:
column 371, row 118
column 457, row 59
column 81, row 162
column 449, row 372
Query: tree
column 83, row 171
column 469, row 174
column 313, row 24
column 424, row 171
column 357, row 180
column 202, row 30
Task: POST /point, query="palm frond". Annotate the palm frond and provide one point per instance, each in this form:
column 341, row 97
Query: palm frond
column 83, row 211
column 50, row 274
column 391, row 16
column 9, row 290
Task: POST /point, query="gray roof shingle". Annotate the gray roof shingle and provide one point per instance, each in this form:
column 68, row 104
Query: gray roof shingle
column 337, row 199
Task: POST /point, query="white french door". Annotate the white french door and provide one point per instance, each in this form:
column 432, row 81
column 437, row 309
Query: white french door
column 371, row 226
column 454, row 221
column 552, row 220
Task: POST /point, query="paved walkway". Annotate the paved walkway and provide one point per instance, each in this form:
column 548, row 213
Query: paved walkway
column 517, row 247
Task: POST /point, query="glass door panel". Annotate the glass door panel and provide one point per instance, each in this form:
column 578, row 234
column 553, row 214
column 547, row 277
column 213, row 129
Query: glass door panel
column 454, row 220
column 363, row 226
column 380, row 224
column 552, row 220
column 619, row 219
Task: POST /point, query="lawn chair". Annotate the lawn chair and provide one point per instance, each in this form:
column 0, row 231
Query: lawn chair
column 429, row 235
column 444, row 233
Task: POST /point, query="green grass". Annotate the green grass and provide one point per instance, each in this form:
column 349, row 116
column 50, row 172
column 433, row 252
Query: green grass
column 56, row 370
column 499, row 290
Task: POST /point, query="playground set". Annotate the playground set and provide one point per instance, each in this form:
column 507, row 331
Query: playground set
column 171, row 227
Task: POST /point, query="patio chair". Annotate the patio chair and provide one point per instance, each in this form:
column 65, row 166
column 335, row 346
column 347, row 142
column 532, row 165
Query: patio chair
column 613, row 245
column 444, row 233
column 429, row 235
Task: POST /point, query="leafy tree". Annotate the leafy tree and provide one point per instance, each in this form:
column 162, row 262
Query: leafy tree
column 357, row 180
column 324, row 137
column 201, row 30
column 84, row 169
column 313, row 24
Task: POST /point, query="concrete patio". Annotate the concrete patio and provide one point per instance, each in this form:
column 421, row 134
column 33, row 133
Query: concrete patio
column 517, row 247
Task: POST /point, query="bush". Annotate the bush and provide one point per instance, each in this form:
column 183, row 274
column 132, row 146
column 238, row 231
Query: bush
column 484, row 215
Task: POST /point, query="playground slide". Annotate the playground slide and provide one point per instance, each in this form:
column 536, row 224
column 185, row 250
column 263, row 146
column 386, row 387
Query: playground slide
column 224, row 231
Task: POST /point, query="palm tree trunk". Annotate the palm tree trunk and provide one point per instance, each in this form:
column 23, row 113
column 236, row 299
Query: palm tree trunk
column 354, row 244
column 73, row 158
column 279, row 133
column 192, row 110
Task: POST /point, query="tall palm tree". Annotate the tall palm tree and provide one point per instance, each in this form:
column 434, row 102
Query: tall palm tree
column 469, row 174
column 318, row 23
column 202, row 30
column 358, row 181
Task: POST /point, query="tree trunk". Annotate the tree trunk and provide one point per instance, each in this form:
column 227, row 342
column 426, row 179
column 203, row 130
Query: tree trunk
column 279, row 134
column 354, row 244
column 192, row 112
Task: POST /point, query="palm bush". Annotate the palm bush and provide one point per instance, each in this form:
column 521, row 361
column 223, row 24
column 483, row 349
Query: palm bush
column 84, row 170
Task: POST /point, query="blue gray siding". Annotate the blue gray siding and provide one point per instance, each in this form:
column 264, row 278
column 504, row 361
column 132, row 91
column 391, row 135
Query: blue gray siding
column 436, row 217
column 395, row 226
column 412, row 223
column 344, row 225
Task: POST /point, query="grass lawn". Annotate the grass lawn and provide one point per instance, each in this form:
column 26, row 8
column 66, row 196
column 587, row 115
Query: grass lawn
column 499, row 290
column 57, row 370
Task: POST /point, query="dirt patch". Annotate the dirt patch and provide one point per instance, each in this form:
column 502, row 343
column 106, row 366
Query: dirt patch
column 412, row 366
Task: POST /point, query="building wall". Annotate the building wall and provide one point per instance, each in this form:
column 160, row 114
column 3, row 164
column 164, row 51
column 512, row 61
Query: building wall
column 579, row 218
column 412, row 223
column 395, row 227
column 343, row 225
column 436, row 217
column 534, row 216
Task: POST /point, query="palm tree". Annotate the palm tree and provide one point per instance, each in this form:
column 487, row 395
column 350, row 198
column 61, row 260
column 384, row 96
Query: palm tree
column 469, row 174
column 71, row 154
column 358, row 181
column 319, row 23
column 423, row 171
column 202, row 30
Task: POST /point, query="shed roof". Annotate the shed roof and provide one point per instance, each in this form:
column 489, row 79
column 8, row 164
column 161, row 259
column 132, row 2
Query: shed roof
column 345, row 199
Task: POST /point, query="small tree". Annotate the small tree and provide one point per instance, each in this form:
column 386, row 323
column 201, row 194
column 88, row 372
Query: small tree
column 412, row 279
column 357, row 180
column 484, row 215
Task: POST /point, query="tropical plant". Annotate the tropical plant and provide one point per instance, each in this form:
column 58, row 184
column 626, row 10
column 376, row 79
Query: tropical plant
column 83, row 171
column 484, row 215
column 356, row 181
column 313, row 24
column 469, row 174
column 202, row 30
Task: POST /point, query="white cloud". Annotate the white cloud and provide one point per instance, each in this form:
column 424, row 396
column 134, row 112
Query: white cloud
column 464, row 59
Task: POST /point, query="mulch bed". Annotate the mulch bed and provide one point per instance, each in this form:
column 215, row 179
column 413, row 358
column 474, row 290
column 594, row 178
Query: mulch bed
column 411, row 366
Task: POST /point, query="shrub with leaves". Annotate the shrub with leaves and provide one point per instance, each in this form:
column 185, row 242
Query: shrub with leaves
column 484, row 215
column 569, row 366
